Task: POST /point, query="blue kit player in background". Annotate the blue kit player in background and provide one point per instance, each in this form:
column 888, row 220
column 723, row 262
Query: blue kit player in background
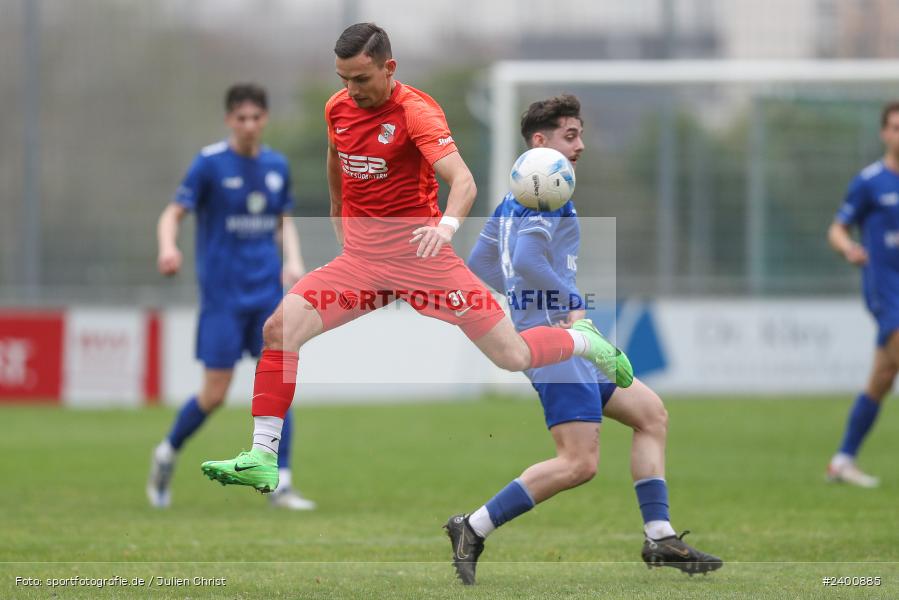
column 522, row 252
column 239, row 191
column 872, row 204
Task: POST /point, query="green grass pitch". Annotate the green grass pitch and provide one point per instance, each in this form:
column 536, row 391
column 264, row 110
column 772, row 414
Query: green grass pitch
column 745, row 475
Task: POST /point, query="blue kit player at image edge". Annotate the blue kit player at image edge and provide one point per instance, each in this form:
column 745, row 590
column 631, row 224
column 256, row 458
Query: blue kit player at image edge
column 872, row 203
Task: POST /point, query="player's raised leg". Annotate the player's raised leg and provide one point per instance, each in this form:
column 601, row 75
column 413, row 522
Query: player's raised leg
column 863, row 415
column 293, row 323
column 642, row 410
column 575, row 463
column 541, row 346
column 188, row 420
column 286, row 495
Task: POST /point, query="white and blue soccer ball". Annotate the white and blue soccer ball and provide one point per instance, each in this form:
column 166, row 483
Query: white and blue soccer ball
column 542, row 179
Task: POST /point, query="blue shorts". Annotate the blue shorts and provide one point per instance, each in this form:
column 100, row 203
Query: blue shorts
column 223, row 335
column 574, row 390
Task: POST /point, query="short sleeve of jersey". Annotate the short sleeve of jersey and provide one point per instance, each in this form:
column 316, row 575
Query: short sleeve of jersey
column 190, row 193
column 856, row 204
column 490, row 232
column 328, row 106
column 427, row 127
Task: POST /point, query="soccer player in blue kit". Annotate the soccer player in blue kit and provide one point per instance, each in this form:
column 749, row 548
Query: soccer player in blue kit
column 524, row 253
column 239, row 191
column 872, row 204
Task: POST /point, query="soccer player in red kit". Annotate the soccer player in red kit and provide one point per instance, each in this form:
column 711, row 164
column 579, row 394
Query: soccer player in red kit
column 386, row 141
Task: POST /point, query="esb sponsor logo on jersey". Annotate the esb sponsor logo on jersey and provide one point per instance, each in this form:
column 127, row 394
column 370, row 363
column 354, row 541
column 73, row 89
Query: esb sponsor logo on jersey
column 363, row 167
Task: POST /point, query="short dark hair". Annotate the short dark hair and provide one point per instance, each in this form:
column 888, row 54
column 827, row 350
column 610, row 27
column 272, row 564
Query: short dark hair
column 239, row 93
column 888, row 109
column 544, row 115
column 365, row 38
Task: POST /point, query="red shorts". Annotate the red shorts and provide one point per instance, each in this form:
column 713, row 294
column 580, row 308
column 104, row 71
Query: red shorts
column 441, row 287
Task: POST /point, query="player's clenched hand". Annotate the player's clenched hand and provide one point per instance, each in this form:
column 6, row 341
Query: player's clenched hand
column 431, row 239
column 856, row 254
column 169, row 261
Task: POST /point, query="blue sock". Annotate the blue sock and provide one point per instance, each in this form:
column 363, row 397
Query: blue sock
column 511, row 501
column 861, row 418
column 189, row 419
column 284, row 444
column 652, row 494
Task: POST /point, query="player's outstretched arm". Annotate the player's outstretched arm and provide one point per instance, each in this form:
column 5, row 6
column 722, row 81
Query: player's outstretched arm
column 169, row 258
column 335, row 191
column 529, row 260
column 841, row 241
column 453, row 170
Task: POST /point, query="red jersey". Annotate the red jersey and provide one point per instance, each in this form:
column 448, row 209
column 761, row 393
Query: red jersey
column 387, row 155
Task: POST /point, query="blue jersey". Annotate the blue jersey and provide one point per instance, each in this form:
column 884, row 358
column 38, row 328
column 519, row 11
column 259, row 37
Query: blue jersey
column 541, row 290
column 238, row 201
column 872, row 203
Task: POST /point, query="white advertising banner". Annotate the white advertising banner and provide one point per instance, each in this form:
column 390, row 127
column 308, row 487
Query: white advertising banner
column 393, row 354
column 762, row 346
column 697, row 346
column 104, row 357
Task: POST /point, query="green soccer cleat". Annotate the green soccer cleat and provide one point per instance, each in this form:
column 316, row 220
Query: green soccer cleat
column 255, row 468
column 610, row 360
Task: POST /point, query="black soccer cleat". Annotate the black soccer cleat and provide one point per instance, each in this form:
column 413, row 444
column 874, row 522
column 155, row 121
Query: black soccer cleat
column 672, row 551
column 467, row 547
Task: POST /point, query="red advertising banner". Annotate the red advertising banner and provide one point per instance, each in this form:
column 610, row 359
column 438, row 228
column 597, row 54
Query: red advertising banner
column 31, row 345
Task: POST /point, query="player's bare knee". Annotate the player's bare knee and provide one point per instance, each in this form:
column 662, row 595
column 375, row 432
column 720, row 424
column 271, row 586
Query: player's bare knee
column 655, row 424
column 659, row 421
column 210, row 399
column 584, row 470
column 213, row 402
column 654, row 417
column 580, row 470
column 587, row 470
column 881, row 383
column 273, row 332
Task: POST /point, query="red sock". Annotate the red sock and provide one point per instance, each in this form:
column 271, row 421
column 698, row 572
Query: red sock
column 548, row 345
column 276, row 380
